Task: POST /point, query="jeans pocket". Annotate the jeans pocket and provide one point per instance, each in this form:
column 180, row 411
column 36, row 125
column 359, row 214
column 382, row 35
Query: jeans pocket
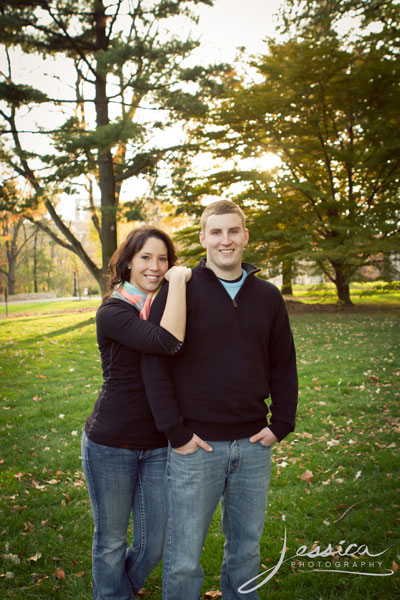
column 263, row 445
column 186, row 453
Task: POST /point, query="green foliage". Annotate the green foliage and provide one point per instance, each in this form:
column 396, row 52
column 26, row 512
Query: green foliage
column 18, row 95
column 190, row 249
column 327, row 106
column 127, row 62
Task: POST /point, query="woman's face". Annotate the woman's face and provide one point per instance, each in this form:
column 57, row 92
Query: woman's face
column 149, row 265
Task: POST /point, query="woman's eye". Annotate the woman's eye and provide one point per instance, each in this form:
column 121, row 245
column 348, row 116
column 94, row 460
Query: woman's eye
column 163, row 259
column 145, row 257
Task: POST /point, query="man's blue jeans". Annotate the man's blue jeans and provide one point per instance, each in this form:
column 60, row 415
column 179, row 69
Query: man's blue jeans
column 122, row 481
column 238, row 472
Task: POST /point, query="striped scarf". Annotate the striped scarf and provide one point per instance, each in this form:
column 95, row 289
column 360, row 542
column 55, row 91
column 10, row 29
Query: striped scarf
column 131, row 294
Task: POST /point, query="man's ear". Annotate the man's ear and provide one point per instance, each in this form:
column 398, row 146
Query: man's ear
column 202, row 241
column 246, row 234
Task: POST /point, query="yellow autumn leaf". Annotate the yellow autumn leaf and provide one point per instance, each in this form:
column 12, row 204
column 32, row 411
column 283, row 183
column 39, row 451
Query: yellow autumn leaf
column 36, row 557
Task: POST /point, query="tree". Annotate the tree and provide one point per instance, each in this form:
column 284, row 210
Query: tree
column 305, row 18
column 13, row 235
column 128, row 64
column 328, row 107
column 9, row 234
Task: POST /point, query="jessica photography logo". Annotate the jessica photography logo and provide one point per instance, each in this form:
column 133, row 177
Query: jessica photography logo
column 339, row 559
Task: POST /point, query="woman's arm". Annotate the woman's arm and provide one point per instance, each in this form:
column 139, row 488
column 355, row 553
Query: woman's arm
column 174, row 316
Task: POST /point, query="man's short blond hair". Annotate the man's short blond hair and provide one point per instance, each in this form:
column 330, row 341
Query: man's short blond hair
column 221, row 207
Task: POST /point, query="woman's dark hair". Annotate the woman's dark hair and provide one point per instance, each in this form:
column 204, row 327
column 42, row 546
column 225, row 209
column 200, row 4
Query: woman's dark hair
column 134, row 242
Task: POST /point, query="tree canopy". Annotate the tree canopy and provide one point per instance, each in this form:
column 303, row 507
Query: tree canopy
column 126, row 82
column 327, row 106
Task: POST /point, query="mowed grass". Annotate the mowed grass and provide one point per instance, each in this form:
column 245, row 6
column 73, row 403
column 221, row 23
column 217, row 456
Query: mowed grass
column 336, row 479
column 370, row 293
column 49, row 306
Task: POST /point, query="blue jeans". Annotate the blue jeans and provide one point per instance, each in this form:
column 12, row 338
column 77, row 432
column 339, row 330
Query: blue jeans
column 122, row 481
column 238, row 472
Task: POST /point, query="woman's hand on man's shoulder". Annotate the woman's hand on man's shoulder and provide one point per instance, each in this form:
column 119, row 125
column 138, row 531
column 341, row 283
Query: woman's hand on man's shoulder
column 178, row 273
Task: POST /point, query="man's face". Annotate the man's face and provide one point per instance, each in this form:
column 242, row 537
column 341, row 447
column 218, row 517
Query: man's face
column 224, row 239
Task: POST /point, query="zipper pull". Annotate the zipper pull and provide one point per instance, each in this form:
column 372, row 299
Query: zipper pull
column 235, row 304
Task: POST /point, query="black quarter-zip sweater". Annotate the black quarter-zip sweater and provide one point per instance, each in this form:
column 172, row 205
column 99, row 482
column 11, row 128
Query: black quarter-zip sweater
column 121, row 416
column 236, row 355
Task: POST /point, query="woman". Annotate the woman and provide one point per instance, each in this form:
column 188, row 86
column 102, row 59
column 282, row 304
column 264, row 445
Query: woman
column 123, row 454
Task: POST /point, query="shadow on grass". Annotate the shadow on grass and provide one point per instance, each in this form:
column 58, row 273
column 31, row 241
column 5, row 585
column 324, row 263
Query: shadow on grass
column 57, row 332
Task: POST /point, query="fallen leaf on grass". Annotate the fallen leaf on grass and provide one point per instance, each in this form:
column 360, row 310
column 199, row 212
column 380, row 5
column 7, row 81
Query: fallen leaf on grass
column 331, row 443
column 59, row 573
column 307, row 476
column 14, row 558
column 80, row 574
column 213, row 594
column 36, row 557
column 37, row 486
column 395, row 566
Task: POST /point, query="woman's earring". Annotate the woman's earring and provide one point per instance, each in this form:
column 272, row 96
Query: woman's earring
column 129, row 268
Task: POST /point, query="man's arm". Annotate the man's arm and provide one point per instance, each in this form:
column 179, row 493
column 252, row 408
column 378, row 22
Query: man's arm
column 283, row 382
column 157, row 377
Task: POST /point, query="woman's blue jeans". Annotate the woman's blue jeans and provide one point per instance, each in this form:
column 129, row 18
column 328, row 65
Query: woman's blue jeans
column 236, row 471
column 121, row 481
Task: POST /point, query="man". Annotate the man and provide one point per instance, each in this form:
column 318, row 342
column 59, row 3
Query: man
column 210, row 402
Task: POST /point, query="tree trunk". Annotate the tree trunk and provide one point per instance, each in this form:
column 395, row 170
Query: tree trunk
column 342, row 286
column 105, row 161
column 387, row 268
column 287, row 267
column 12, row 256
column 35, row 264
column 11, row 275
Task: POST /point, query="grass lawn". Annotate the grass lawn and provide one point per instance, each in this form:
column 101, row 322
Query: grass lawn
column 377, row 293
column 49, row 306
column 335, row 479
